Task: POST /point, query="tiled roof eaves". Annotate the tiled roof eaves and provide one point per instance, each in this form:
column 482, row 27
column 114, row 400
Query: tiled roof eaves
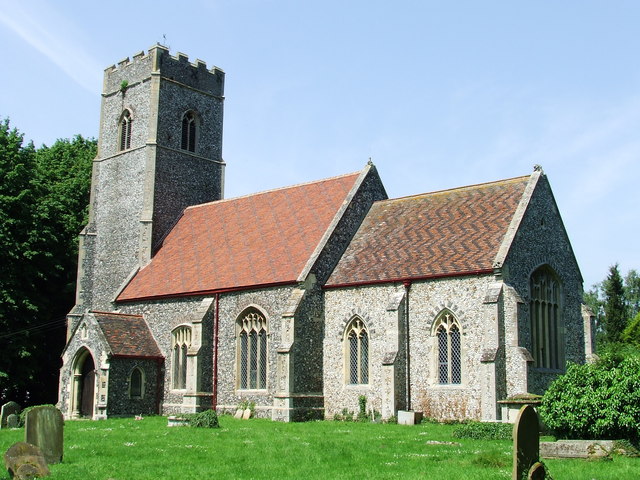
column 207, row 293
column 410, row 279
column 138, row 357
column 334, row 223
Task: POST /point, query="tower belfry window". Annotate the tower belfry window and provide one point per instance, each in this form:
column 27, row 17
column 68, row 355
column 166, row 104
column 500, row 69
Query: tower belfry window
column 189, row 132
column 125, row 130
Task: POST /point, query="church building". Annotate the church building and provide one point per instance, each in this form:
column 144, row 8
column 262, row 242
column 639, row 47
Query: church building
column 302, row 299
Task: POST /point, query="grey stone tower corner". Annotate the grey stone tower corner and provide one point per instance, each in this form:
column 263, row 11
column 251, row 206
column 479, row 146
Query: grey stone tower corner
column 159, row 151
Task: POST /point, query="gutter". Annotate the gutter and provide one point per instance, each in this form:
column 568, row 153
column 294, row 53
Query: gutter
column 404, row 280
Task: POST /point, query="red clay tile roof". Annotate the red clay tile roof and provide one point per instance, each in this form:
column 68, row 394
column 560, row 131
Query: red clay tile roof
column 261, row 239
column 451, row 232
column 127, row 335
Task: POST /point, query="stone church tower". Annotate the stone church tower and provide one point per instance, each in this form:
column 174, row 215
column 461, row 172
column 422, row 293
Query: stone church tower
column 159, row 151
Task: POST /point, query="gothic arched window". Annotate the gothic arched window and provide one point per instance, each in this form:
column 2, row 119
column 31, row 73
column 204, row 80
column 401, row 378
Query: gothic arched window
column 252, row 351
column 448, row 349
column 547, row 327
column 136, row 383
column 189, row 131
column 357, row 352
column 181, row 341
column 125, row 130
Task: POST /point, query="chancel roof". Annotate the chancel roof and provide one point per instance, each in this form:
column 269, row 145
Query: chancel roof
column 445, row 233
column 256, row 240
column 127, row 335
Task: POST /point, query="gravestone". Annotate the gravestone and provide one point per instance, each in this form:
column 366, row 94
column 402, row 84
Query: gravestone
column 239, row 413
column 25, row 461
column 13, row 421
column 246, row 415
column 526, row 445
column 9, row 408
column 43, row 428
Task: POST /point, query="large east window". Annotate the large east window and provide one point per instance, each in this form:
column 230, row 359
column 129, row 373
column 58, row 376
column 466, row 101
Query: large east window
column 547, row 328
column 252, row 351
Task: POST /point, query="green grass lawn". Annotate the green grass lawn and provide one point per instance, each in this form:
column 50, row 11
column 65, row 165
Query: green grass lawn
column 125, row 449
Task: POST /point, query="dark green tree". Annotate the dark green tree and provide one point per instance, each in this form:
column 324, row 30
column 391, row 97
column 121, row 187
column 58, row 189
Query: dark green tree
column 18, row 305
column 615, row 309
column 632, row 292
column 43, row 204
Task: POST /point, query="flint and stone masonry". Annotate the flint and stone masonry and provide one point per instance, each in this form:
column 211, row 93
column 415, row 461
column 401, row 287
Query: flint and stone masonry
column 174, row 349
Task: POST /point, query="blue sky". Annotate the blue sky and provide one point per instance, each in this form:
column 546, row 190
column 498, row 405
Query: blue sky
column 438, row 93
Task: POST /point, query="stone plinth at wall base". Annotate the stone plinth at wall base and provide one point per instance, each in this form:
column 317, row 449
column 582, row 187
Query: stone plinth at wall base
column 174, row 421
column 409, row 417
column 576, row 448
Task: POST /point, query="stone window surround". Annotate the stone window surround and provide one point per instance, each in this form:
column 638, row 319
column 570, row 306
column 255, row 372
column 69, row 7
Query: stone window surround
column 181, row 337
column 433, row 348
column 262, row 357
column 142, row 383
column 125, row 129
column 190, row 126
column 551, row 279
column 347, row 353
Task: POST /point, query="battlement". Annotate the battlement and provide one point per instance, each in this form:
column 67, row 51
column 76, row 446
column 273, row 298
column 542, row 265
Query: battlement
column 159, row 61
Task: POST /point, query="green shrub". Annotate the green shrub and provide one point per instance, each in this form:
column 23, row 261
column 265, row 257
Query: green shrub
column 484, row 431
column 600, row 400
column 205, row 419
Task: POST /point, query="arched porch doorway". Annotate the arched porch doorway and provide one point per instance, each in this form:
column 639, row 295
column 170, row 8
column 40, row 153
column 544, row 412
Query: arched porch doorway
column 84, row 381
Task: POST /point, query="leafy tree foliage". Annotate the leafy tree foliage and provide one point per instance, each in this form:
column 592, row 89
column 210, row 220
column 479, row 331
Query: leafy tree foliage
column 615, row 309
column 631, row 334
column 44, row 196
column 600, row 400
column 632, row 292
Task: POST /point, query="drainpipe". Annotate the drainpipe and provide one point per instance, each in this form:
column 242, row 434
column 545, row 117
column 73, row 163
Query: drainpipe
column 407, row 287
column 216, row 323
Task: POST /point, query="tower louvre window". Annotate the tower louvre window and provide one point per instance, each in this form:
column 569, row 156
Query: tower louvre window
column 125, row 130
column 189, row 132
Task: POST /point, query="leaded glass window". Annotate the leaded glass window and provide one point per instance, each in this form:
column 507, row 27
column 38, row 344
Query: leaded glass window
column 449, row 349
column 357, row 352
column 181, row 337
column 252, row 351
column 546, row 320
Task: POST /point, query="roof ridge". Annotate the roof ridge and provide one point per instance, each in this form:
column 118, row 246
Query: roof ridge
column 277, row 189
column 453, row 189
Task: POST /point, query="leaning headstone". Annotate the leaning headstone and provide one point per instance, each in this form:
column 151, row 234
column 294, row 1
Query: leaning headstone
column 526, row 443
column 13, row 421
column 43, row 428
column 246, row 415
column 239, row 413
column 25, row 461
column 8, row 408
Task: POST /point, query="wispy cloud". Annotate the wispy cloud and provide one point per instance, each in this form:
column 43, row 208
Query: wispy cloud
column 45, row 30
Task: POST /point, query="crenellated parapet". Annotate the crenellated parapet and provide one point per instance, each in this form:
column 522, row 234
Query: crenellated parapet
column 158, row 61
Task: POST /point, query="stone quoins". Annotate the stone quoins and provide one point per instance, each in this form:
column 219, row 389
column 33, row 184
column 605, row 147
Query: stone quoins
column 356, row 312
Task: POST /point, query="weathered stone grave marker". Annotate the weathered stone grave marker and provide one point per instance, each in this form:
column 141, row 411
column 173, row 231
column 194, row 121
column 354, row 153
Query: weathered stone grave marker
column 25, row 461
column 43, row 428
column 526, row 446
column 13, row 421
column 9, row 408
